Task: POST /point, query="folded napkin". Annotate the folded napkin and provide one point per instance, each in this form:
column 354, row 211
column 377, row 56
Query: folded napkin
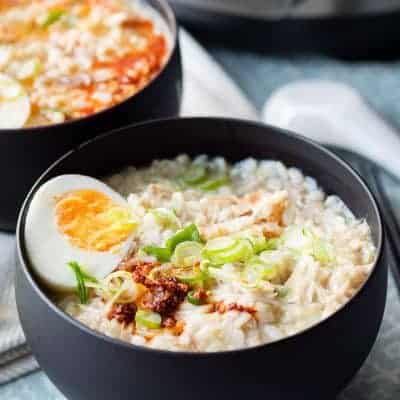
column 15, row 359
column 334, row 113
column 207, row 91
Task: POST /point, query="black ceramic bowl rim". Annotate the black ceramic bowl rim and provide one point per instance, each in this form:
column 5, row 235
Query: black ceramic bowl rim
column 173, row 27
column 21, row 251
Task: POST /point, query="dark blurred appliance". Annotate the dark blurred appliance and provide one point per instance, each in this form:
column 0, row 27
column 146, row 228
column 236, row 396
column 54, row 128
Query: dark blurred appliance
column 349, row 28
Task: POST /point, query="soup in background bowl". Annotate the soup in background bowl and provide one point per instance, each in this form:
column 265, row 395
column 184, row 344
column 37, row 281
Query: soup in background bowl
column 67, row 59
column 70, row 70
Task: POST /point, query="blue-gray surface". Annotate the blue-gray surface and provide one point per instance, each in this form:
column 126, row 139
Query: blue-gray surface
column 258, row 75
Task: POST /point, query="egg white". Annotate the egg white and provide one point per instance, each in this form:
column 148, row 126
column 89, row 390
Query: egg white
column 50, row 251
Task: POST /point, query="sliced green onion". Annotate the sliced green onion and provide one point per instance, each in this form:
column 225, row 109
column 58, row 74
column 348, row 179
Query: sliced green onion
column 161, row 253
column 214, row 184
column 268, row 266
column 156, row 272
column 194, row 298
column 273, row 257
column 69, row 21
column 272, row 244
column 118, row 287
column 260, row 243
column 269, row 272
column 188, row 234
column 283, row 292
column 304, row 241
column 195, row 175
column 323, row 252
column 141, row 253
column 298, row 239
column 191, row 276
column 52, row 17
column 81, row 277
column 204, row 265
column 240, row 253
column 148, row 319
column 221, row 244
column 226, row 251
column 251, row 274
column 257, row 269
column 81, row 288
column 198, row 176
column 196, row 276
column 166, row 218
column 88, row 278
column 75, row 265
column 187, row 254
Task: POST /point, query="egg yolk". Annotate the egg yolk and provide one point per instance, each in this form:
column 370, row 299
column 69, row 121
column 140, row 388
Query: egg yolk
column 92, row 221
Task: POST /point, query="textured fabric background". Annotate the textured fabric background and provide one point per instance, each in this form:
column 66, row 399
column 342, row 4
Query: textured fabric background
column 258, row 75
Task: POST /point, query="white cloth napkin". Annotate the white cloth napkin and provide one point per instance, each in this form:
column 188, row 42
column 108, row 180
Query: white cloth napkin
column 334, row 113
column 207, row 91
column 14, row 354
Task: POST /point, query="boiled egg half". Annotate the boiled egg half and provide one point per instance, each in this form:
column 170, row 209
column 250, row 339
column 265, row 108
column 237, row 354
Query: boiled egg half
column 76, row 218
column 15, row 107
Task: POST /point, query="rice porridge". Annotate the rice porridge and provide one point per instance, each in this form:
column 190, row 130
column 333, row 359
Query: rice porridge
column 225, row 256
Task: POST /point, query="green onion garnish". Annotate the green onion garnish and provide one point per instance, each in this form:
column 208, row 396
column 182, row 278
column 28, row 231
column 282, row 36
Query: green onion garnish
column 214, row 183
column 195, row 174
column 52, row 17
column 260, row 243
column 201, row 177
column 262, row 268
column 161, row 253
column 166, row 218
column 283, row 292
column 188, row 234
column 194, row 298
column 227, row 250
column 193, row 277
column 196, row 276
column 218, row 245
column 305, row 242
column 81, row 277
column 187, row 254
column 148, row 319
column 323, row 251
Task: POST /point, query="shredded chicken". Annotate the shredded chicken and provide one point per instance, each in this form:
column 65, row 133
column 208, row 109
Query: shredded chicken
column 256, row 208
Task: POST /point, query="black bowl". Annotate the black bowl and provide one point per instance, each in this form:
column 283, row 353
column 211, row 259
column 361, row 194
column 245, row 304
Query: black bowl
column 314, row 364
column 26, row 153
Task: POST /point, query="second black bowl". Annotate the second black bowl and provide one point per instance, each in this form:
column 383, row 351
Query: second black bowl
column 26, row 153
column 314, row 364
